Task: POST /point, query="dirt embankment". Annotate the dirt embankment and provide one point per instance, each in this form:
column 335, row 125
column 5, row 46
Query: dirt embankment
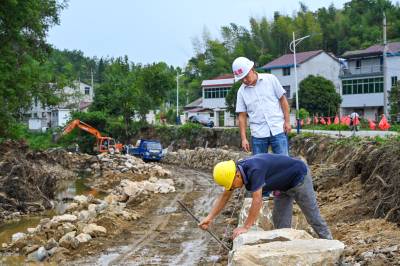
column 28, row 179
column 357, row 182
column 377, row 166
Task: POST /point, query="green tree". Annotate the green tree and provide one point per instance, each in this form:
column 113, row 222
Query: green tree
column 23, row 50
column 153, row 84
column 231, row 97
column 117, row 95
column 394, row 102
column 318, row 95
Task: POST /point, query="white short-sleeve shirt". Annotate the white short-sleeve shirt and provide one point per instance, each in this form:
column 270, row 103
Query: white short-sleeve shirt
column 261, row 103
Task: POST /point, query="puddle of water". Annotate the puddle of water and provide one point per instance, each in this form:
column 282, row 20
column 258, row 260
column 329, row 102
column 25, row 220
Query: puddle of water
column 12, row 260
column 69, row 189
column 12, row 227
column 66, row 190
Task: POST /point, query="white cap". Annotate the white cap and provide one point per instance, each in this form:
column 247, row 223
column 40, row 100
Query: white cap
column 241, row 66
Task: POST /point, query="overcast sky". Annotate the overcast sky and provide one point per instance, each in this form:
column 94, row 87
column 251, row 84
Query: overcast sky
column 157, row 30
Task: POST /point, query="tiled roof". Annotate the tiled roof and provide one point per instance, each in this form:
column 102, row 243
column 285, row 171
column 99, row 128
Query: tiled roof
column 393, row 47
column 225, row 80
column 83, row 105
column 196, row 103
column 287, row 60
column 225, row 76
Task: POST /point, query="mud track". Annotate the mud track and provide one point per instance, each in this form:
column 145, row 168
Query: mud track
column 166, row 234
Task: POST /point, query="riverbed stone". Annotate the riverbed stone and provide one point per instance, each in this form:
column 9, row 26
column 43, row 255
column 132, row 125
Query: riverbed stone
column 29, row 249
column 72, row 206
column 86, row 215
column 83, row 238
column 68, row 227
column 94, row 230
column 31, row 230
column 64, row 218
column 18, row 236
column 295, row 252
column 130, row 188
column 111, row 198
column 102, row 206
column 69, row 240
column 41, row 254
column 51, row 243
column 81, row 199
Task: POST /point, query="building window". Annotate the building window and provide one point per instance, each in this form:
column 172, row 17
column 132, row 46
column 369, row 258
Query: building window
column 215, row 93
column 286, row 71
column 268, row 71
column 87, row 90
column 362, row 86
column 358, row 64
column 287, row 89
column 394, row 81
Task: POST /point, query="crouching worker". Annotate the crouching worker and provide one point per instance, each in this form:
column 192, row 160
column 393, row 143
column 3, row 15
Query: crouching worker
column 276, row 173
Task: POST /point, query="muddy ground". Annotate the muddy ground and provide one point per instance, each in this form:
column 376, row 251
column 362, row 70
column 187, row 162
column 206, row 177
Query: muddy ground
column 355, row 184
column 352, row 180
column 166, row 234
column 29, row 180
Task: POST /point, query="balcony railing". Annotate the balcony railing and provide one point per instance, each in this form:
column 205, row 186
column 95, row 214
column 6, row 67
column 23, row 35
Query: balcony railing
column 361, row 71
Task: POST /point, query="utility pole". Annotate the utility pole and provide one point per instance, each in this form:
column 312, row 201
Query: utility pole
column 292, row 47
column 178, row 120
column 296, row 86
column 385, row 111
column 91, row 73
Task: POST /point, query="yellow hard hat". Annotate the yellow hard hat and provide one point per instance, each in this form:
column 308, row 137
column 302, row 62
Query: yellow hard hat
column 224, row 173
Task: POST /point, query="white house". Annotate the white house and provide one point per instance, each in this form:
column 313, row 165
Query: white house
column 317, row 63
column 212, row 103
column 363, row 79
column 76, row 97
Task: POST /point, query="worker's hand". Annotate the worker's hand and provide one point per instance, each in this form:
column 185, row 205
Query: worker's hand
column 238, row 231
column 245, row 145
column 205, row 223
column 287, row 127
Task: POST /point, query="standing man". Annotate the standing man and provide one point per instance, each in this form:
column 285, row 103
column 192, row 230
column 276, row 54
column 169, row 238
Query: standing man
column 272, row 172
column 262, row 98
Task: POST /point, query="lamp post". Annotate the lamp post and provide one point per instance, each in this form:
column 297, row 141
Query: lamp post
column 292, row 47
column 178, row 120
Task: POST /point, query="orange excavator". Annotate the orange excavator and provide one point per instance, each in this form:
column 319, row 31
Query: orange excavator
column 103, row 144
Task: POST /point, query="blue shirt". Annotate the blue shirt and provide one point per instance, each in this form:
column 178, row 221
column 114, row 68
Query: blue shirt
column 261, row 103
column 274, row 171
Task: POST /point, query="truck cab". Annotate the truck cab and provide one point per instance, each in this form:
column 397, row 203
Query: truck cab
column 148, row 150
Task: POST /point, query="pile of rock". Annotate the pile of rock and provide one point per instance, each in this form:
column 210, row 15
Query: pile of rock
column 79, row 224
column 380, row 256
column 202, row 158
column 68, row 231
column 107, row 170
column 28, row 179
column 104, row 164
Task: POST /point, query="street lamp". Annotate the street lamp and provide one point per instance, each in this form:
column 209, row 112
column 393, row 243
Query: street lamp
column 178, row 120
column 292, row 47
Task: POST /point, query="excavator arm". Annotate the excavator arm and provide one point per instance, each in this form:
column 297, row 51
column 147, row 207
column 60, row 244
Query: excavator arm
column 85, row 127
column 103, row 144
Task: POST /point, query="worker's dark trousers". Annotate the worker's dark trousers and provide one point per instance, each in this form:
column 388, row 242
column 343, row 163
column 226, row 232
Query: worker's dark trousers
column 305, row 197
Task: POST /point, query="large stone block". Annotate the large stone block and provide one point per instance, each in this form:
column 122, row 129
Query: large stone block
column 295, row 252
column 264, row 220
column 261, row 237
